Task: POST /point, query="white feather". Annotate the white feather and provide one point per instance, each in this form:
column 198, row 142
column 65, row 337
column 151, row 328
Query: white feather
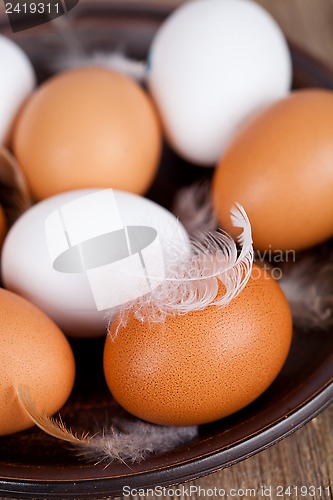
column 124, row 439
column 116, row 61
column 194, row 281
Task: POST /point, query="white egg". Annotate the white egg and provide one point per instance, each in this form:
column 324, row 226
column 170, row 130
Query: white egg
column 80, row 254
column 211, row 65
column 16, row 82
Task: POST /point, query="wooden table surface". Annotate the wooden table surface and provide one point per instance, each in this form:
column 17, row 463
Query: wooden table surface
column 306, row 457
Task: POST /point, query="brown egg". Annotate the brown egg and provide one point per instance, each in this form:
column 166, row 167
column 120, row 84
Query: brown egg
column 34, row 353
column 280, row 168
column 88, row 127
column 205, row 365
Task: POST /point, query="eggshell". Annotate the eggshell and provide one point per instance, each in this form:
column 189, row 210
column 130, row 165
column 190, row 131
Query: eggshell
column 30, row 270
column 16, row 83
column 212, row 64
column 280, row 168
column 35, row 354
column 85, row 128
column 205, row 365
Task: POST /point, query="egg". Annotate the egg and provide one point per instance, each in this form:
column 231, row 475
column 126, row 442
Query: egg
column 17, row 82
column 280, row 168
column 85, row 128
column 211, row 65
column 34, row 354
column 202, row 366
column 80, row 254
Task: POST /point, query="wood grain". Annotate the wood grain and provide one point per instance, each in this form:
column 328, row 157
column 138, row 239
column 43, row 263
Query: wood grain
column 303, row 460
column 306, row 457
column 308, row 23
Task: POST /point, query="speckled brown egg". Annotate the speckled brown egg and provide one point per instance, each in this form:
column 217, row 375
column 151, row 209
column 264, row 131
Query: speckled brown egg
column 205, row 365
column 279, row 167
column 88, row 127
column 35, row 354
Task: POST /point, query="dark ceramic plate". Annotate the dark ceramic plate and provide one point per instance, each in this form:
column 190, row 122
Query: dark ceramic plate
column 35, row 465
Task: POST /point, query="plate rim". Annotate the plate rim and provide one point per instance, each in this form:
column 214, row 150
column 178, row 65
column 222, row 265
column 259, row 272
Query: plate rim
column 209, row 462
column 188, row 470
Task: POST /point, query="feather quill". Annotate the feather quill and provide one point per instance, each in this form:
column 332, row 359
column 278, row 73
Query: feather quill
column 194, row 281
column 307, row 282
column 125, row 440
